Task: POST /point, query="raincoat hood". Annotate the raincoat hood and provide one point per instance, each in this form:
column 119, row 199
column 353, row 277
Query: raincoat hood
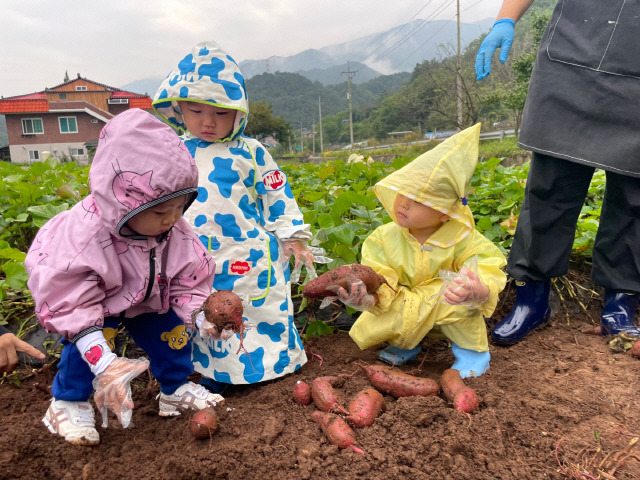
column 438, row 179
column 139, row 163
column 206, row 75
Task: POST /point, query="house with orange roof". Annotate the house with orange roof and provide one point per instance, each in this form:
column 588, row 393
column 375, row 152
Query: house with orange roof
column 63, row 121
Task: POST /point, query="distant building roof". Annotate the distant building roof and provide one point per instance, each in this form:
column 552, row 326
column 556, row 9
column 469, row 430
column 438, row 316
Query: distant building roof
column 36, row 102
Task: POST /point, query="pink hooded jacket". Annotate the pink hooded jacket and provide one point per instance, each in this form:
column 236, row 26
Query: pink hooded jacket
column 86, row 264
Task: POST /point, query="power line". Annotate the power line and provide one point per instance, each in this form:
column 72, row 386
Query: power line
column 403, row 39
column 397, row 31
column 434, row 34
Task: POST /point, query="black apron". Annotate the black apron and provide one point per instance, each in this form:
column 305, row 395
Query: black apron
column 583, row 103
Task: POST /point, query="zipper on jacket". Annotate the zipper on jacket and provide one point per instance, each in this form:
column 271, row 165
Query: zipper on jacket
column 152, row 272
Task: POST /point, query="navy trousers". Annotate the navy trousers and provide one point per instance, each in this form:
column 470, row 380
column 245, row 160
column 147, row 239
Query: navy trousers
column 161, row 336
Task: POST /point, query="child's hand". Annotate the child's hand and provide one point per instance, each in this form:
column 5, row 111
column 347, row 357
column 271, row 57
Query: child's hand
column 113, row 388
column 206, row 329
column 357, row 298
column 469, row 289
column 300, row 251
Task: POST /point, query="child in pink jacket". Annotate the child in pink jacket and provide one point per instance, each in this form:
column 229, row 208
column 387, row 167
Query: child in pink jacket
column 123, row 256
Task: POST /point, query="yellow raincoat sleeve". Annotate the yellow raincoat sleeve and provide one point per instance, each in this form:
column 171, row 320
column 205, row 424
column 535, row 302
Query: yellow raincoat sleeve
column 403, row 318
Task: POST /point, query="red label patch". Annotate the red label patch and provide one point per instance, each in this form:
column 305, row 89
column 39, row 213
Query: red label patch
column 274, row 179
column 94, row 354
column 240, row 267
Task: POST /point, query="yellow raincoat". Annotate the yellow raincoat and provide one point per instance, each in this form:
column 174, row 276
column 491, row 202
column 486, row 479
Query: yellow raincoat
column 439, row 179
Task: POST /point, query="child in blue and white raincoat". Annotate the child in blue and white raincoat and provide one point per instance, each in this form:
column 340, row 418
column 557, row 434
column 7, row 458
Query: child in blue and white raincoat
column 245, row 215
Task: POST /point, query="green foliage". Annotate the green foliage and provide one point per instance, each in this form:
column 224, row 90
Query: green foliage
column 29, row 196
column 336, row 198
column 299, row 100
column 506, row 148
column 263, row 123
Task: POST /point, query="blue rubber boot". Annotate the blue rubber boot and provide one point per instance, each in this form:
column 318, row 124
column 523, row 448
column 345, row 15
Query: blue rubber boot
column 618, row 313
column 470, row 363
column 530, row 311
column 397, row 356
column 213, row 385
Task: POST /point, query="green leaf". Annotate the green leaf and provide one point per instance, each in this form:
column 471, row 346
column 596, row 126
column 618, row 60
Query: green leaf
column 42, row 213
column 318, row 329
column 16, row 274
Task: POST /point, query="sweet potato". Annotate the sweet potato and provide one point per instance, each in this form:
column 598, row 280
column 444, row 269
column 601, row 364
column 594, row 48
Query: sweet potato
column 343, row 276
column 325, row 397
column 399, row 384
column 204, row 423
column 302, row 393
column 336, row 430
column 365, row 407
column 224, row 310
column 634, row 351
column 464, row 399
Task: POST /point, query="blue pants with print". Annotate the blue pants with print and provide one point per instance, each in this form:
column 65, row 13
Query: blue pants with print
column 161, row 336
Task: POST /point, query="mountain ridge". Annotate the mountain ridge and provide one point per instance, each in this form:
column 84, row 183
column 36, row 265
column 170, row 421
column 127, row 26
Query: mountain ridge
column 394, row 50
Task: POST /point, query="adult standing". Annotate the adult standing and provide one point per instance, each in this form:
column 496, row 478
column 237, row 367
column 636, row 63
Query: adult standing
column 582, row 112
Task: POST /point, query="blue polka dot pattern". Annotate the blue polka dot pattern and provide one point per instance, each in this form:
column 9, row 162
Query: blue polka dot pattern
column 244, row 205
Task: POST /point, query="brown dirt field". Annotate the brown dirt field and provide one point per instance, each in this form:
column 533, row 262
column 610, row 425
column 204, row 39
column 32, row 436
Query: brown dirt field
column 559, row 405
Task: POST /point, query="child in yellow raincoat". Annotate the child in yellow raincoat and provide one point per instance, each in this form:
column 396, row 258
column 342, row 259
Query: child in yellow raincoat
column 446, row 275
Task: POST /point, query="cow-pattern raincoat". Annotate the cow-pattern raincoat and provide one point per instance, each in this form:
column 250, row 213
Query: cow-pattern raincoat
column 244, row 209
column 85, row 264
column 439, row 179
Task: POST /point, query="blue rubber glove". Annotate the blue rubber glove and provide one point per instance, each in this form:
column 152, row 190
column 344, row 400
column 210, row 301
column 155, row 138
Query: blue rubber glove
column 500, row 36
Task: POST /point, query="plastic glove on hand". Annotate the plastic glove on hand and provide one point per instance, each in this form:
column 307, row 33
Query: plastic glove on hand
column 207, row 329
column 113, row 388
column 500, row 36
column 303, row 255
column 299, row 250
column 468, row 289
column 357, row 298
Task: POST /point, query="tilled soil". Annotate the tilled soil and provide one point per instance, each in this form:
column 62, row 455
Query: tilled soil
column 557, row 405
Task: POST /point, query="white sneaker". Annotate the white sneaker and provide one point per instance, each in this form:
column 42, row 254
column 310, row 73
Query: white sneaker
column 188, row 397
column 72, row 420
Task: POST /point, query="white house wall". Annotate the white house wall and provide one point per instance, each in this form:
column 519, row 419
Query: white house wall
column 20, row 153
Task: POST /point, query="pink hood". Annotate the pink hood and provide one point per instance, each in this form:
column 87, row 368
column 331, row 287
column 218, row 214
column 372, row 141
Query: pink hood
column 137, row 165
column 85, row 264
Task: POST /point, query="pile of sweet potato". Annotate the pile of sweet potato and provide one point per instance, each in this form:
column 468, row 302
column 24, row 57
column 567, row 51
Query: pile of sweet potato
column 336, row 421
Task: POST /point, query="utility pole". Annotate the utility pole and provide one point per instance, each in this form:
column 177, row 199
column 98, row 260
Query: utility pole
column 349, row 76
column 313, row 137
column 320, row 116
column 459, row 75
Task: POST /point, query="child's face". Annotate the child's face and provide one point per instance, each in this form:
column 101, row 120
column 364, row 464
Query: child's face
column 207, row 122
column 157, row 220
column 416, row 216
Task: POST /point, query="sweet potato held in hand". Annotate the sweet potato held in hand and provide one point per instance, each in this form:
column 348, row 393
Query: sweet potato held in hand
column 327, row 284
column 224, row 310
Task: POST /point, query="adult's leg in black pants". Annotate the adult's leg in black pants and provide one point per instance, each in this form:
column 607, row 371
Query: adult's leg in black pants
column 554, row 195
column 616, row 254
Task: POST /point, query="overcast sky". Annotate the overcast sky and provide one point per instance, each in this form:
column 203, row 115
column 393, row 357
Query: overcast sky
column 116, row 42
